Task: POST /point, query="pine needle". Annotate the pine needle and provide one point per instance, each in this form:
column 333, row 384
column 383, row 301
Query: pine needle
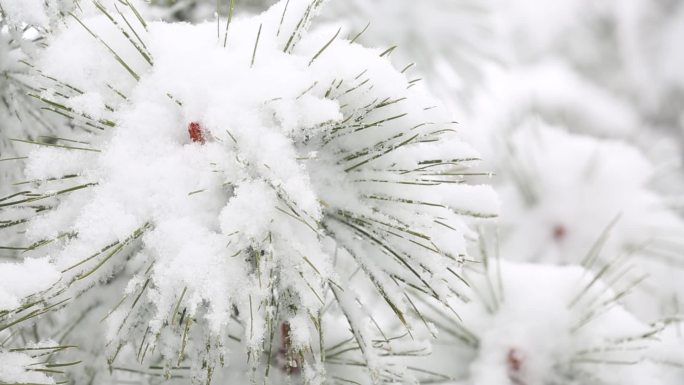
column 256, row 44
column 325, row 46
column 230, row 18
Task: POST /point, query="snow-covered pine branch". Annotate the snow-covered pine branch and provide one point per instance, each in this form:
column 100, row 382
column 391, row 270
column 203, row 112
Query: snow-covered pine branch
column 223, row 185
column 545, row 324
column 563, row 192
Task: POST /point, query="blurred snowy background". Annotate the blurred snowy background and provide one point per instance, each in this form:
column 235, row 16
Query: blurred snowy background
column 578, row 109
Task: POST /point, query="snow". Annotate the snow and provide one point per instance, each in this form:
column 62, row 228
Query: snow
column 20, row 280
column 50, row 162
column 91, row 105
column 15, row 368
column 29, row 11
column 255, row 200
